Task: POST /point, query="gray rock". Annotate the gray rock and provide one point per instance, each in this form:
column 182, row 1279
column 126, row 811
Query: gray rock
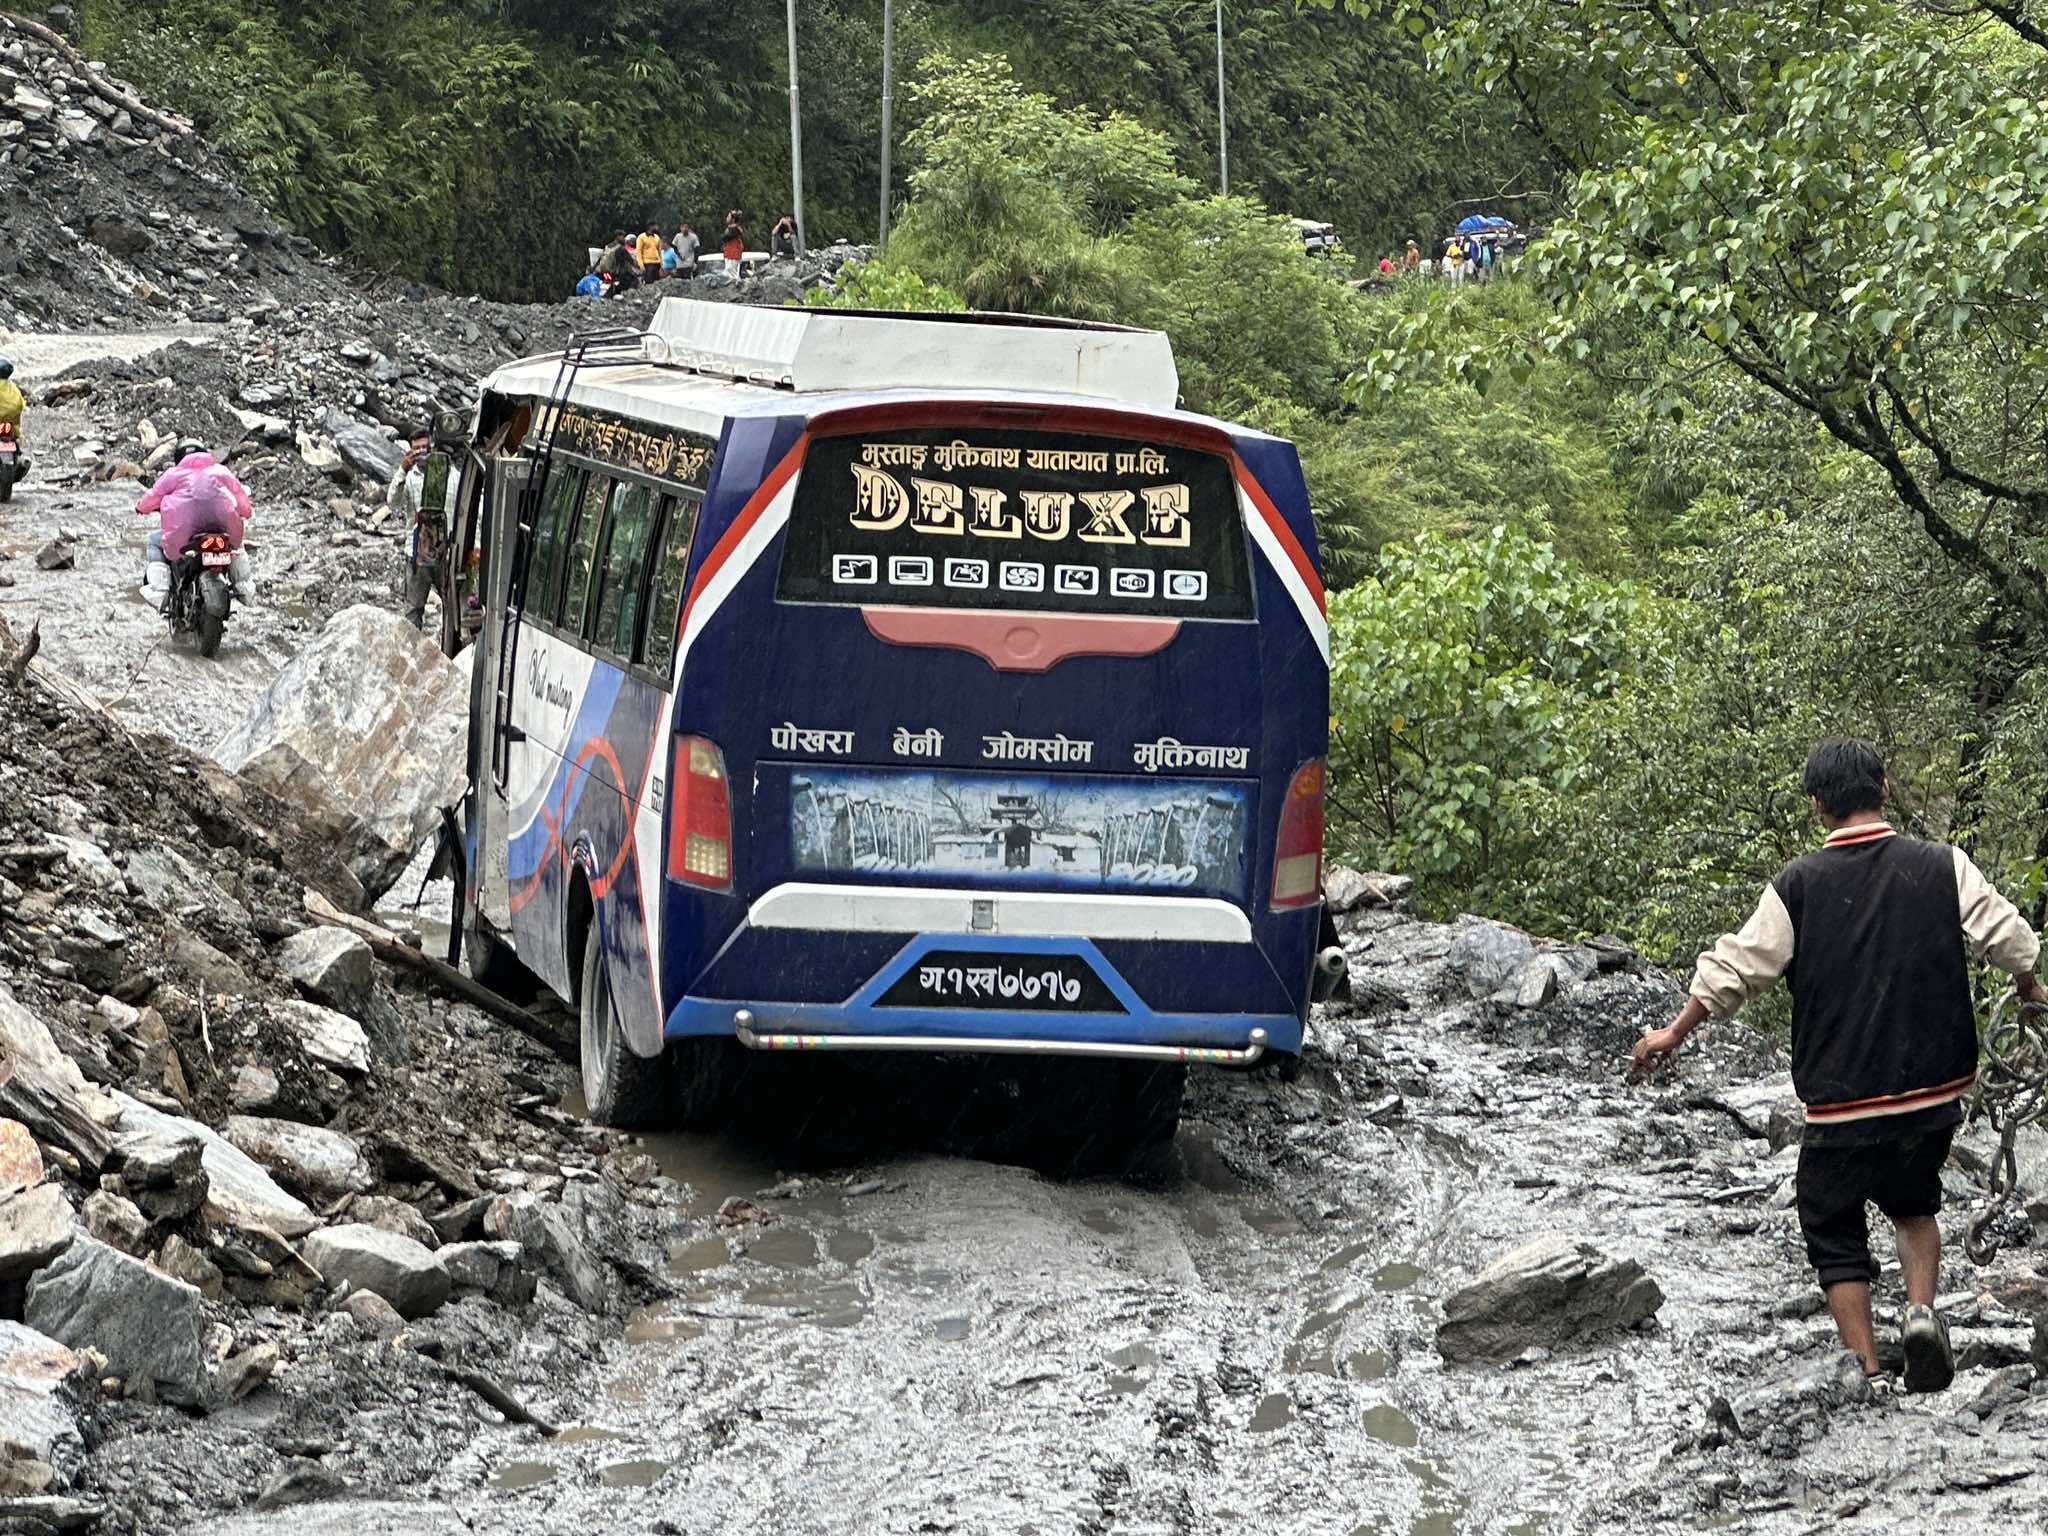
column 376, row 1316
column 564, row 1237
column 238, row 1191
column 39, row 1439
column 366, row 731
column 1350, row 890
column 368, row 1258
column 489, row 1268
column 331, row 966
column 370, row 453
column 162, row 1169
column 394, row 1215
column 1487, row 958
column 1756, row 1107
column 116, row 1221
column 35, row 1226
column 1538, row 983
column 254, row 1089
column 1783, row 1415
column 181, row 1260
column 323, row 1164
column 146, row 1324
column 32, row 105
column 327, row 1036
column 1555, row 1291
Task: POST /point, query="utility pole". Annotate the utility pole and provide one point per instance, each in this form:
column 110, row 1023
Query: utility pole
column 796, row 135
column 1222, row 126
column 888, row 106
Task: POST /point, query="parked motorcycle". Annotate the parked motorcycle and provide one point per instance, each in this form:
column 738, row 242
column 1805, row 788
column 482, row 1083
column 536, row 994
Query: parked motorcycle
column 201, row 594
column 13, row 460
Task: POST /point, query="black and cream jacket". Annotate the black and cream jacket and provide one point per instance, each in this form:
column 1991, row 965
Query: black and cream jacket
column 1874, row 934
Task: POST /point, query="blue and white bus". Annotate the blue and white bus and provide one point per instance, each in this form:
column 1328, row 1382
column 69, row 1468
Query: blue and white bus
column 892, row 683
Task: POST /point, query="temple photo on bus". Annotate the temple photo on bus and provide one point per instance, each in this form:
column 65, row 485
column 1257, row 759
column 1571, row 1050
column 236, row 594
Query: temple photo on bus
column 890, row 683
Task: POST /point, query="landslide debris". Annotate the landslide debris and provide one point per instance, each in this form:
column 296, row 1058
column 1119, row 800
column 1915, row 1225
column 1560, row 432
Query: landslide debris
column 213, row 1185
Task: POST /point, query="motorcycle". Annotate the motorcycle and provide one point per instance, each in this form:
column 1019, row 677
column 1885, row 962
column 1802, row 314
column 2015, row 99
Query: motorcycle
column 201, row 594
column 13, row 460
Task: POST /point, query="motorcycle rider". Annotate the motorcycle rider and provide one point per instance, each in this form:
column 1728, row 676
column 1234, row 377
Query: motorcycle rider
column 196, row 496
column 11, row 400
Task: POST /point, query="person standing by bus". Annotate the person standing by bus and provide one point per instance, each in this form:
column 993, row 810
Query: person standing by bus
column 734, row 244
column 427, row 564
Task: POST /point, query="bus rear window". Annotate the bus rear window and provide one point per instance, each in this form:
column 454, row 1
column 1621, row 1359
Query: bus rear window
column 1049, row 521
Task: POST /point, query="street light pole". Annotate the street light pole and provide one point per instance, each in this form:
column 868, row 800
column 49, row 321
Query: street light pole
column 796, row 135
column 1222, row 126
column 888, row 106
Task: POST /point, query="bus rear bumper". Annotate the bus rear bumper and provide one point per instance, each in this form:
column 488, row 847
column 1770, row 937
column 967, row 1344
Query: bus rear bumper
column 1209, row 1039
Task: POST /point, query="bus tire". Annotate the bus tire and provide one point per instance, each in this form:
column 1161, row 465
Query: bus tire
column 620, row 1088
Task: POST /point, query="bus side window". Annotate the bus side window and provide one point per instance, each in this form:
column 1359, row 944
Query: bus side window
column 618, row 601
column 582, row 554
column 550, row 532
column 665, row 595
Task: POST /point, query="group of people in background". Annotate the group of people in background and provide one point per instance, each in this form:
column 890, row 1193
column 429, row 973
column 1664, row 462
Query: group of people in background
column 1464, row 257
column 633, row 260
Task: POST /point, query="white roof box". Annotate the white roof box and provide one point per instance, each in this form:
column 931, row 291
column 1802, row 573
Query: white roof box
column 833, row 349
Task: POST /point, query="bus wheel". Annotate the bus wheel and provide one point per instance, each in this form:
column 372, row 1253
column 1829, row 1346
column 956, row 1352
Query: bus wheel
column 619, row 1087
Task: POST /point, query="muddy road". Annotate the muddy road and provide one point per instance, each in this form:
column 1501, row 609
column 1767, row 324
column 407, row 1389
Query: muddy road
column 1241, row 1336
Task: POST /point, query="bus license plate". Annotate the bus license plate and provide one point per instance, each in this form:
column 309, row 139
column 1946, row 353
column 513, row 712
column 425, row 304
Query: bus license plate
column 1020, row 983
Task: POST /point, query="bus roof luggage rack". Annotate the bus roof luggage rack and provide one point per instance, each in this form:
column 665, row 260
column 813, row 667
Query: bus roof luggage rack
column 832, row 349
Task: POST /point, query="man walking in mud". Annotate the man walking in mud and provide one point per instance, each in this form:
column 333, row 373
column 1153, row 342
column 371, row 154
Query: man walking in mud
column 1874, row 933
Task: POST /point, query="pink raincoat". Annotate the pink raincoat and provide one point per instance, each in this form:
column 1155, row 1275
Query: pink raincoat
column 197, row 496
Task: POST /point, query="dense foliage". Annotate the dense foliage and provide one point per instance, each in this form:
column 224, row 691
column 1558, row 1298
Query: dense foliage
column 483, row 144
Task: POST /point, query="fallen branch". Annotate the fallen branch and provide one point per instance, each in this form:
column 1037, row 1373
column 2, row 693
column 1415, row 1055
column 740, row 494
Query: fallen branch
column 515, row 1412
column 97, row 83
column 395, row 951
column 17, row 664
column 43, row 854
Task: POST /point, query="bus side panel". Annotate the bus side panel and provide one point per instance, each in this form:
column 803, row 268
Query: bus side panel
column 583, row 769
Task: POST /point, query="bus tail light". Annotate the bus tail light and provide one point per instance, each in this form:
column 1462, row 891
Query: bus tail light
column 1298, row 856
column 700, row 816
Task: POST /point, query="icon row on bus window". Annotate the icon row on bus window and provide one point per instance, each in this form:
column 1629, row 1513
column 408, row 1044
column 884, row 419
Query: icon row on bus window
column 966, row 574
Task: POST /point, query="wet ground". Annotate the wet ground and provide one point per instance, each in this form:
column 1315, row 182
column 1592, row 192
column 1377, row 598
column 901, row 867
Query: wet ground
column 1240, row 1335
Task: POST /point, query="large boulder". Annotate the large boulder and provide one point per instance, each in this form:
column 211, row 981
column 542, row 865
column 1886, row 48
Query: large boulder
column 366, row 731
column 325, row 1164
column 238, row 1191
column 146, row 1324
column 368, row 1258
column 1554, row 1292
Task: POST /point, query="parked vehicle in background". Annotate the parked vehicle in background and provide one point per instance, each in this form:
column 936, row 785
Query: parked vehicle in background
column 1320, row 239
column 905, row 683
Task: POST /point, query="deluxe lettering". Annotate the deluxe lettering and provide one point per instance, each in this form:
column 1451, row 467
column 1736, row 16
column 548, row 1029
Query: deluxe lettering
column 888, row 496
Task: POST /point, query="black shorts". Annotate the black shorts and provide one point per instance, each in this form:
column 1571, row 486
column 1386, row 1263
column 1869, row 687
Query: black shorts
column 1834, row 1183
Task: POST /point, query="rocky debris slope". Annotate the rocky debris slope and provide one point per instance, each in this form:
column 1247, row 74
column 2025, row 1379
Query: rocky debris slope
column 235, row 1156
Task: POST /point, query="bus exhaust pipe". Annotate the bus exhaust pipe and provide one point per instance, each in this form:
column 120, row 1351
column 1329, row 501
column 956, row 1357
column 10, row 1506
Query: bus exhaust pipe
column 1331, row 970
